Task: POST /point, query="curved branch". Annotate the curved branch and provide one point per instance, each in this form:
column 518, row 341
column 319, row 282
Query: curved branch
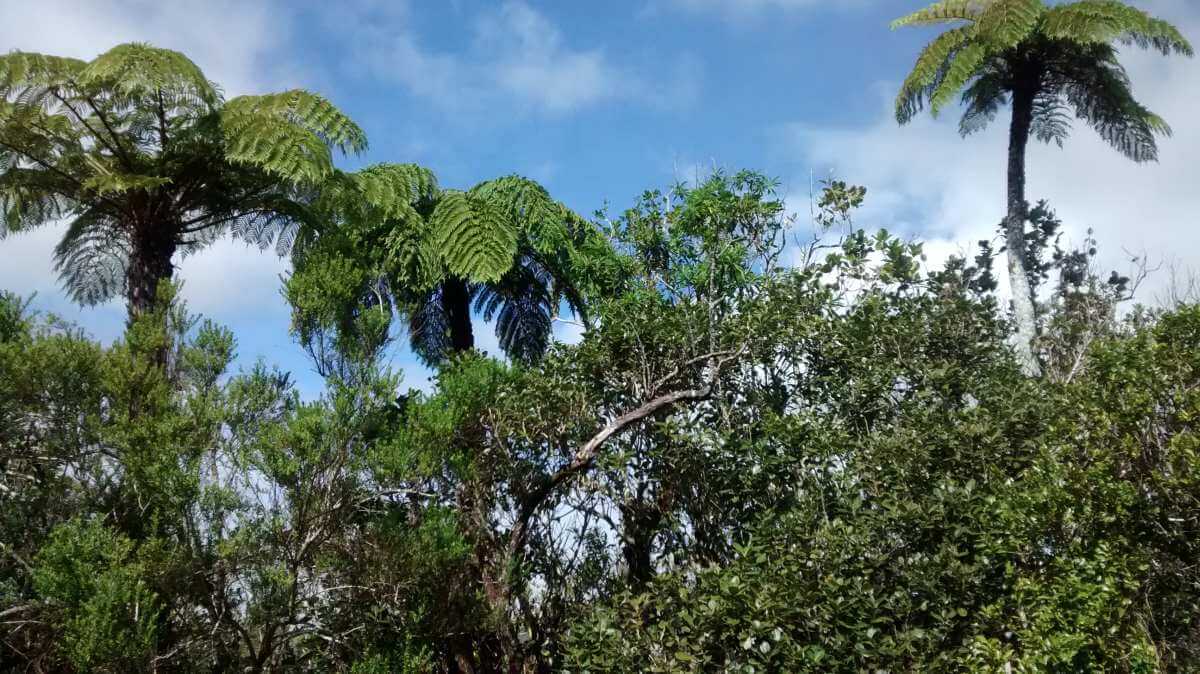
column 587, row 454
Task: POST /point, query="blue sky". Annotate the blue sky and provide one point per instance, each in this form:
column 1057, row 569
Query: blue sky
column 600, row 101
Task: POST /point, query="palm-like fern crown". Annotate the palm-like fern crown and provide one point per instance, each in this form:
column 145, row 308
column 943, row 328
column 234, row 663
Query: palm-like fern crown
column 1064, row 56
column 139, row 139
column 515, row 246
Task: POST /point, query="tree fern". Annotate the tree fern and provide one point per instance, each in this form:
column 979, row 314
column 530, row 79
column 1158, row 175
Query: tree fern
column 504, row 244
column 1047, row 62
column 140, row 140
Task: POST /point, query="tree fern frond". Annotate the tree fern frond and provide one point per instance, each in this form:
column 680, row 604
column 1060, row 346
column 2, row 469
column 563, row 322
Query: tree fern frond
column 308, row 111
column 264, row 227
column 29, row 198
column 36, row 136
column 476, row 239
column 523, row 305
column 930, row 68
column 961, row 68
column 284, row 150
column 290, row 134
column 31, row 72
column 1101, row 96
column 195, row 242
column 1102, row 21
column 393, row 189
column 533, row 209
column 413, row 255
column 1161, row 35
column 941, row 12
column 1051, row 124
column 982, row 101
column 1005, row 23
column 429, row 328
column 92, row 259
column 107, row 181
column 141, row 72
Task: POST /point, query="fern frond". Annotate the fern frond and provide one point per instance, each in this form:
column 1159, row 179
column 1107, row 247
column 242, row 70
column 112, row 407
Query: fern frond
column 982, row 101
column 138, row 72
column 543, row 219
column 1100, row 95
column 413, row 256
column 29, row 198
column 1103, row 21
column 928, row 71
column 944, row 11
column 1050, row 121
column 523, row 304
column 961, row 68
column 107, row 181
column 25, row 73
column 393, row 189
column 263, row 227
column 476, row 239
column 290, row 134
column 1160, row 35
column 92, row 258
column 429, row 327
column 1005, row 23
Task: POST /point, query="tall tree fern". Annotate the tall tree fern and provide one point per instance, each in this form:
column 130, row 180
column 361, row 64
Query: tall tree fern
column 395, row 242
column 1044, row 61
column 144, row 159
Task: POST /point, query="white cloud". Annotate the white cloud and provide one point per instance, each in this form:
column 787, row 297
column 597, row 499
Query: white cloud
column 516, row 57
column 923, row 179
column 741, row 10
column 229, row 40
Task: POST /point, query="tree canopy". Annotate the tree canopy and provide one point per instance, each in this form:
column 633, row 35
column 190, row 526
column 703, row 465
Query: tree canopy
column 762, row 452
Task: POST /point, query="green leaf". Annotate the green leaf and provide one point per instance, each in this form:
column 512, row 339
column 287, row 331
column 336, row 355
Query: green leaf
column 476, row 240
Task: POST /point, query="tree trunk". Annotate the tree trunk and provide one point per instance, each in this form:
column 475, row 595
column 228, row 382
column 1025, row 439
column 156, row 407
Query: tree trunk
column 149, row 263
column 1024, row 314
column 640, row 521
column 456, row 303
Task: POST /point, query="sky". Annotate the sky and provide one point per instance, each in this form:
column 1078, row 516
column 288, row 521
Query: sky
column 600, row 101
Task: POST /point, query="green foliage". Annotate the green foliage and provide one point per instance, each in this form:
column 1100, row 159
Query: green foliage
column 476, row 240
column 941, row 12
column 89, row 573
column 932, row 513
column 289, row 134
column 743, row 465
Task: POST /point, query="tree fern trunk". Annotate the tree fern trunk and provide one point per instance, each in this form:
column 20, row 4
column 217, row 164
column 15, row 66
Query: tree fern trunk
column 456, row 303
column 149, row 263
column 1024, row 315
